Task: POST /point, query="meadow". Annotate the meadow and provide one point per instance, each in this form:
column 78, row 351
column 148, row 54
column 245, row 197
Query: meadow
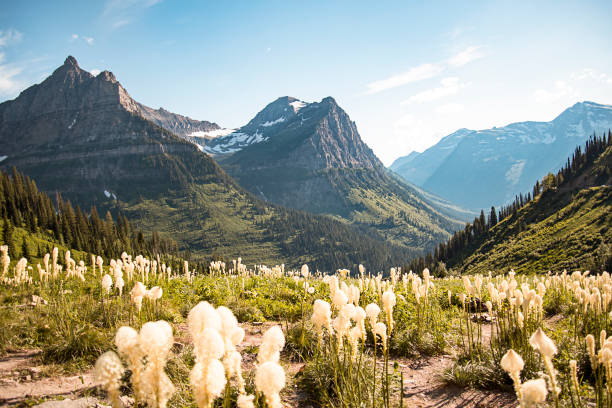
column 258, row 336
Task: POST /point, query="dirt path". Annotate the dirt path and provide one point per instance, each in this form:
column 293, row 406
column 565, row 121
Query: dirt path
column 20, row 380
column 424, row 387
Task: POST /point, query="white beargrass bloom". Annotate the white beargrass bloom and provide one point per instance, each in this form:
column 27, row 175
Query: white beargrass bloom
column 534, row 392
column 542, row 343
column 321, row 316
column 107, row 283
column 245, row 401
column 156, row 340
column 126, row 341
column 154, row 293
column 304, row 271
column 203, row 315
column 272, row 343
column 207, row 380
column 380, row 329
column 388, row 299
column 372, row 311
column 512, row 362
column 359, row 318
column 339, row 299
column 108, row 372
column 270, row 380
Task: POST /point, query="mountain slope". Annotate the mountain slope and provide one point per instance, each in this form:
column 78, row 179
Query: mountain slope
column 567, row 226
column 86, row 138
column 309, row 156
column 476, row 169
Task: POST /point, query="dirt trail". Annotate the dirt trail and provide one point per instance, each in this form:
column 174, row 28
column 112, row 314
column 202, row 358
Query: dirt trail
column 20, row 380
column 424, row 387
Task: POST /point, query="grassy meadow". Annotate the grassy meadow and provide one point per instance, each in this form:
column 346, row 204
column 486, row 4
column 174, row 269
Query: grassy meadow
column 175, row 337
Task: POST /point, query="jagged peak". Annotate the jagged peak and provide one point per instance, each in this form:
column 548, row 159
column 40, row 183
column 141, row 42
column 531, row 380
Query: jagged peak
column 71, row 62
column 107, row 76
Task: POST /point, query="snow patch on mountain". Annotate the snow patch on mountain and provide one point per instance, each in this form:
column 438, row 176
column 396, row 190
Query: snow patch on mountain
column 513, row 174
column 212, row 133
column 2, row 158
column 274, row 122
column 297, row 105
column 234, row 142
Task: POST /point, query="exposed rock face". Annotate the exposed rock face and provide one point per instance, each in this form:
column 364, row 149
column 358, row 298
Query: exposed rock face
column 178, row 124
column 80, row 134
column 310, row 156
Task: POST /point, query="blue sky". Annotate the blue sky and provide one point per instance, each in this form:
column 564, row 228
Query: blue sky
column 407, row 72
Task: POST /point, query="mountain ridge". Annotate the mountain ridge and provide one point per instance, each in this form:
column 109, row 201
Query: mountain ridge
column 85, row 138
column 475, row 169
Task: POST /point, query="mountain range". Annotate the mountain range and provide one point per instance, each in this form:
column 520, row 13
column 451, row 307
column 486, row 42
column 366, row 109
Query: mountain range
column 477, row 169
column 84, row 137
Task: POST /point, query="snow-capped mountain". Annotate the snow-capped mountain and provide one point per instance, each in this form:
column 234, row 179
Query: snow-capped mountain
column 477, row 169
column 310, row 156
column 259, row 129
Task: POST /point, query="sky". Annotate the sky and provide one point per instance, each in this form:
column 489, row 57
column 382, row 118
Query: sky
column 407, row 72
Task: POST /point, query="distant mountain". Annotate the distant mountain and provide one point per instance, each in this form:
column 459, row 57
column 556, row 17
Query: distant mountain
column 309, row 156
column 179, row 125
column 476, row 169
column 84, row 137
column 567, row 226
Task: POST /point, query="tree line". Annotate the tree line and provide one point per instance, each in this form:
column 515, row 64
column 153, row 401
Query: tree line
column 478, row 230
column 22, row 205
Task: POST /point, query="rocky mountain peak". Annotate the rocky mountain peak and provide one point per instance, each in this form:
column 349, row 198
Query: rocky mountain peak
column 107, row 76
column 71, row 62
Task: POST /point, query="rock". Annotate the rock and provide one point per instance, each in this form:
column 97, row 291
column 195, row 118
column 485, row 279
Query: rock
column 36, row 300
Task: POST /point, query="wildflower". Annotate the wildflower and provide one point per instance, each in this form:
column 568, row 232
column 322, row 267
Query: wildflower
column 107, row 282
column 272, row 343
column 389, row 301
column 245, row 401
column 304, row 271
column 380, row 329
column 126, row 341
column 359, row 318
column 270, row 380
column 513, row 364
column 154, row 293
column 108, row 372
column 372, row 310
column 321, row 316
column 207, row 380
column 534, row 392
column 339, row 299
column 156, row 340
column 542, row 343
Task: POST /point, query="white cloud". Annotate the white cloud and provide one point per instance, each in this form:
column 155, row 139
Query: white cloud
column 560, row 90
column 426, row 71
column 268, row 49
column 448, row 86
column 10, row 36
column 589, row 73
column 466, row 56
column 123, row 12
column 450, row 108
column 88, row 40
column 9, row 84
column 419, row 73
